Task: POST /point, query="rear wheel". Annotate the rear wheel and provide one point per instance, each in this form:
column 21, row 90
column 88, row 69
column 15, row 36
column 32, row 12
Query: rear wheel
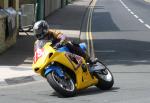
column 105, row 78
column 62, row 85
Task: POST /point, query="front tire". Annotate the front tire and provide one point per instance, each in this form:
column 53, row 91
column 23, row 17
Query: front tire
column 64, row 86
column 105, row 78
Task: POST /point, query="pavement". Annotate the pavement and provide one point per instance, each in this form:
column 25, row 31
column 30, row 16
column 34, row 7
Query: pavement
column 16, row 62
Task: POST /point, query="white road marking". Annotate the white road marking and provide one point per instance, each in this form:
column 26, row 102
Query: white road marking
column 129, row 10
column 137, row 17
column 148, row 26
column 132, row 13
column 141, row 20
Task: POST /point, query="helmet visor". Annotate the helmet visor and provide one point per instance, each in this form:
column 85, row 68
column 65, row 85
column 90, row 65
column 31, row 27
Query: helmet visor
column 38, row 33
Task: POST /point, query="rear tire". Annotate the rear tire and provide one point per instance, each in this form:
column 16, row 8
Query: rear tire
column 63, row 86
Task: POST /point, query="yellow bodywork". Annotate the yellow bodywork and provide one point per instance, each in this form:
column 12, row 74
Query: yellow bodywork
column 83, row 78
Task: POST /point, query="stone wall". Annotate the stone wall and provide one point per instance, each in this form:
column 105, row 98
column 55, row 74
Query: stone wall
column 6, row 39
column 2, row 34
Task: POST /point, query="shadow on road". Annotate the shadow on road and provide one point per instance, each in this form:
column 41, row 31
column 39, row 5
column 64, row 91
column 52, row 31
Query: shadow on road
column 104, row 23
column 123, row 51
column 68, row 18
column 20, row 53
column 88, row 91
column 94, row 90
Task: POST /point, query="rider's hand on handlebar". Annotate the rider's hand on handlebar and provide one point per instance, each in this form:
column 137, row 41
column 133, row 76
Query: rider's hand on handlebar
column 61, row 43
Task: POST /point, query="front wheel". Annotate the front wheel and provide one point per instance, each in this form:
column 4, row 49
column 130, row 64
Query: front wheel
column 62, row 85
column 105, row 78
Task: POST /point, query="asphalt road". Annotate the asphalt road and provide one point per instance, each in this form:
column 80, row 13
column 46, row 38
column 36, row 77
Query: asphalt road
column 122, row 41
column 121, row 35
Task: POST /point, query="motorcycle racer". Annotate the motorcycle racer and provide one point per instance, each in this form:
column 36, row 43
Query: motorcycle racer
column 43, row 34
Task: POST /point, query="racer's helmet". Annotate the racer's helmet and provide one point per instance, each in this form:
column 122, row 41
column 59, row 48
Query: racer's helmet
column 40, row 29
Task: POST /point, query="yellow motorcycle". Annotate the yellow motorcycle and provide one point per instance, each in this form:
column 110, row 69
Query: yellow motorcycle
column 68, row 73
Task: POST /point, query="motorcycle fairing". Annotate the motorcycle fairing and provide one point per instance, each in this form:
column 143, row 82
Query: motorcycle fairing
column 83, row 79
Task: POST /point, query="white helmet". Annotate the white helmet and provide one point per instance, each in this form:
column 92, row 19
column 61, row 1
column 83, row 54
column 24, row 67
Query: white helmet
column 40, row 29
